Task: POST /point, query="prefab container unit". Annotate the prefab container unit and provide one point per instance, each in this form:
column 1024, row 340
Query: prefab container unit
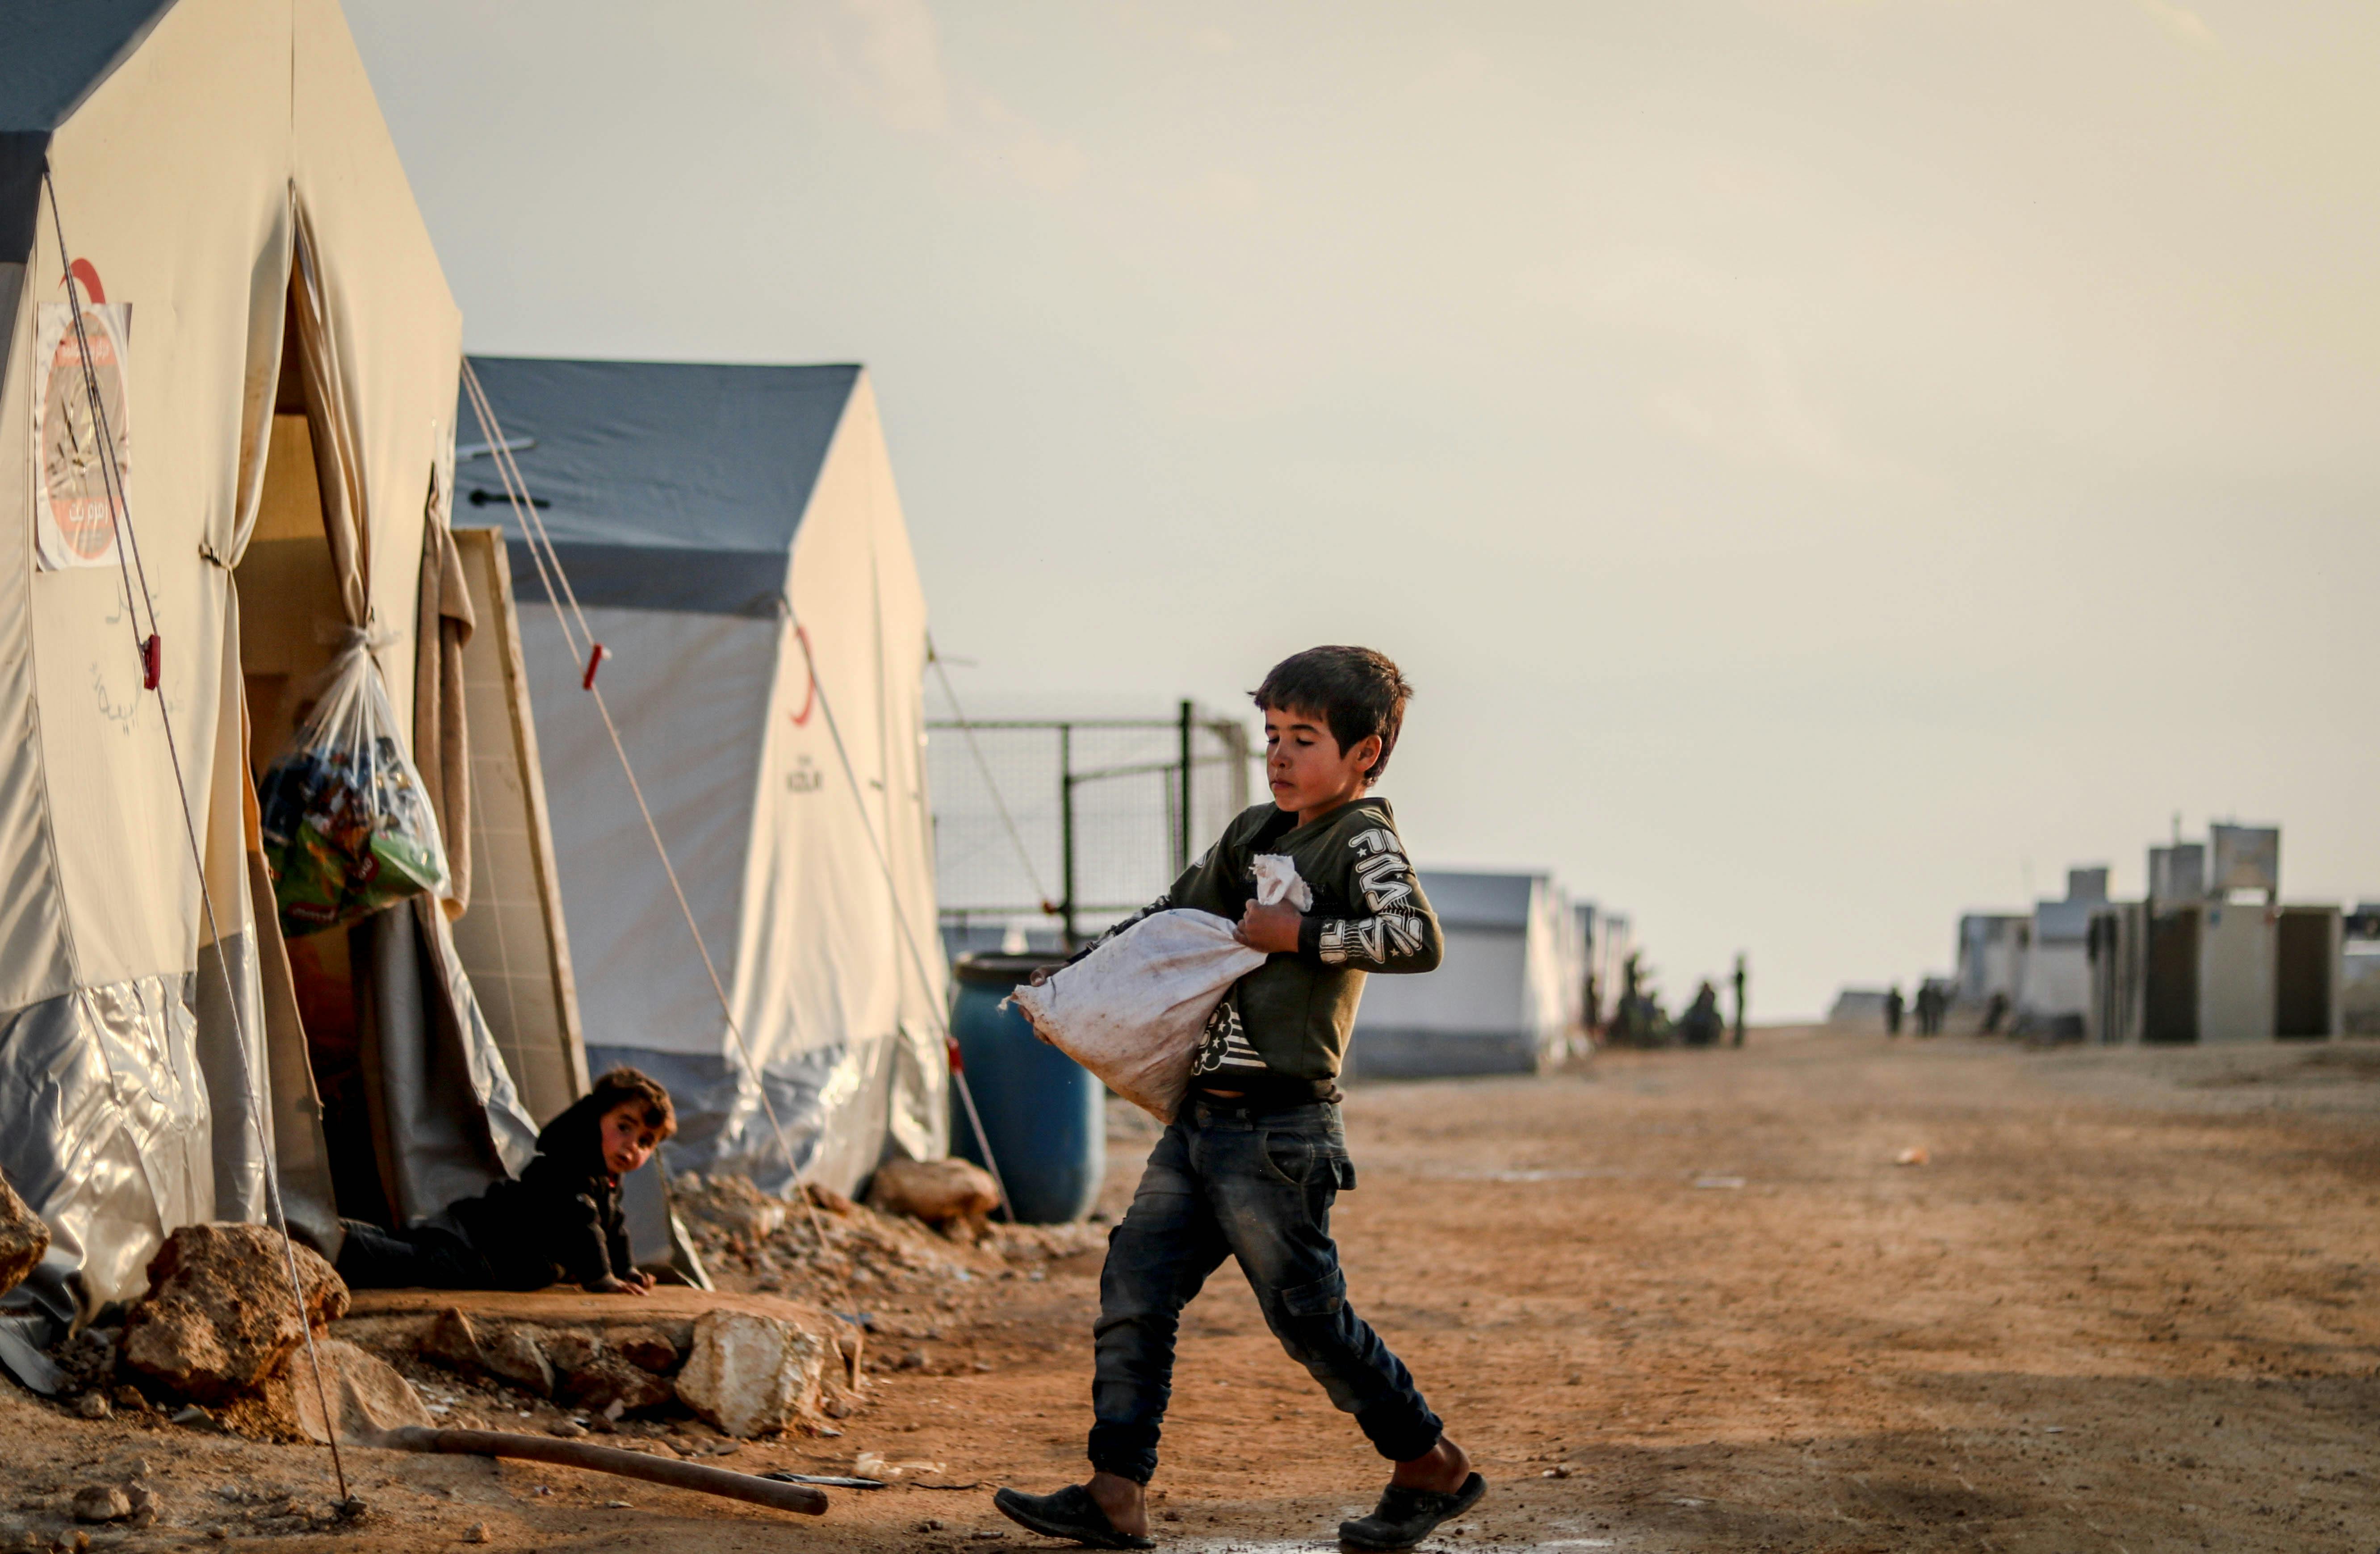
column 2358, row 989
column 1572, row 950
column 1991, row 965
column 2210, row 974
column 1610, row 939
column 2241, row 971
column 2308, row 980
column 1859, row 1009
column 1500, row 1001
column 2054, row 987
column 2117, row 945
column 1590, row 988
column 2221, row 966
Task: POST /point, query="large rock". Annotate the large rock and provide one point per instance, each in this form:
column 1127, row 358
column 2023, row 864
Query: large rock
column 365, row 1392
column 732, row 1204
column 753, row 1375
column 219, row 1315
column 608, row 1382
column 935, row 1191
column 502, row 1351
column 453, row 1340
column 579, row 1366
column 101, row 1502
column 513, row 1353
column 24, row 1240
column 646, row 1348
column 592, row 1372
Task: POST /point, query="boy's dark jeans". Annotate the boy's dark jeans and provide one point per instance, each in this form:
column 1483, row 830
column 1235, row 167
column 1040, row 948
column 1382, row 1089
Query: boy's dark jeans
column 1226, row 1182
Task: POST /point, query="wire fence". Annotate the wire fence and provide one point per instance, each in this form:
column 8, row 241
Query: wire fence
column 1095, row 822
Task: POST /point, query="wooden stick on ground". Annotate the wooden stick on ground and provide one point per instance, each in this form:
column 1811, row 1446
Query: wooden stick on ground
column 605, row 1459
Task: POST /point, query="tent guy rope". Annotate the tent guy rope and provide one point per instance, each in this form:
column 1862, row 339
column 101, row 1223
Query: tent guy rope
column 150, row 647
column 916, row 957
column 992, row 784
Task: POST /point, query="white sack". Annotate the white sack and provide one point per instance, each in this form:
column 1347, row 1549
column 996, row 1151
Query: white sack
column 1133, row 1009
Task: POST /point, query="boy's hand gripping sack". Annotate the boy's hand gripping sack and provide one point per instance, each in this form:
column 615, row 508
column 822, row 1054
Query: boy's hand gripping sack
column 1133, row 1009
column 347, row 828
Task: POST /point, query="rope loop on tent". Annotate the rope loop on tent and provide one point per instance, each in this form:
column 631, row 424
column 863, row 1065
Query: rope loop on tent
column 150, row 647
column 809, row 667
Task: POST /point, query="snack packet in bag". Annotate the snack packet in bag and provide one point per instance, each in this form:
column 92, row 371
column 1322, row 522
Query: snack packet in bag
column 1133, row 1009
column 347, row 828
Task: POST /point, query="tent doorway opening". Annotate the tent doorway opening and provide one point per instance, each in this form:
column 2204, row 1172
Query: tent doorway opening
column 291, row 620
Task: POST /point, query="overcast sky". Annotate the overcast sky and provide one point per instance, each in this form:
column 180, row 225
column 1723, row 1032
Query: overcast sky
column 1826, row 466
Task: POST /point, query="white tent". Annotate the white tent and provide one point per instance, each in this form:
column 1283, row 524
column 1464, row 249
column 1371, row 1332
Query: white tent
column 1502, row 1000
column 278, row 351
column 733, row 535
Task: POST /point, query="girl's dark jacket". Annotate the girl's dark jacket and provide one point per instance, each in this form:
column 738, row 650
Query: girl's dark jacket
column 560, row 1222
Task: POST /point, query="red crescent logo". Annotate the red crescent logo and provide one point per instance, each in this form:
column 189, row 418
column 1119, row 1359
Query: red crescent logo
column 82, row 270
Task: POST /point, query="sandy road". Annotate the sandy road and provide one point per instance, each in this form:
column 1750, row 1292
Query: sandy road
column 2127, row 1305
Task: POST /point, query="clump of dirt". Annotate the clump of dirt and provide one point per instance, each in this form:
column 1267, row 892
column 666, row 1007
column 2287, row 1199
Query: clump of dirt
column 824, row 1248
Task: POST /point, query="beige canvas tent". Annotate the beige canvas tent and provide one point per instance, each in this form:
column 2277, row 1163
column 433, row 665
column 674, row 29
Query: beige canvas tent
column 735, row 539
column 282, row 355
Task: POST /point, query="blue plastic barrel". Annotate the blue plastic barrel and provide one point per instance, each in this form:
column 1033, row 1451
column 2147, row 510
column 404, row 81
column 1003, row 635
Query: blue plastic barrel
column 1045, row 1115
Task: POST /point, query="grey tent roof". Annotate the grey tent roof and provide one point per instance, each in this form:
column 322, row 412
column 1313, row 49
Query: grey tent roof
column 1466, row 898
column 55, row 52
column 52, row 54
column 668, row 485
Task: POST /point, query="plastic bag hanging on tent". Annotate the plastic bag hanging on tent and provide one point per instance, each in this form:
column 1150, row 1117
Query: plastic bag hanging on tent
column 348, row 827
column 1134, row 1010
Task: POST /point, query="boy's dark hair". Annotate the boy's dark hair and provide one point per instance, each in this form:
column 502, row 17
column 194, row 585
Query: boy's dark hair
column 627, row 1086
column 1358, row 692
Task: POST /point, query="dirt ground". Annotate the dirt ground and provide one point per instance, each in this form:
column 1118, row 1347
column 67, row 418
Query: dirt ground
column 1678, row 1301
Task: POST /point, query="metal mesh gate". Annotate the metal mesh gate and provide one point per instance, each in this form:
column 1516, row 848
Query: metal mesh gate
column 1096, row 803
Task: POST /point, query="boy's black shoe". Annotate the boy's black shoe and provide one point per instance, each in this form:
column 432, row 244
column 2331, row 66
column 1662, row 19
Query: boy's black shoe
column 1405, row 1516
column 1069, row 1513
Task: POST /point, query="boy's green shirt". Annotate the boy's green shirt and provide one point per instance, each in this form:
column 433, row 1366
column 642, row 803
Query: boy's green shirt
column 1289, row 1020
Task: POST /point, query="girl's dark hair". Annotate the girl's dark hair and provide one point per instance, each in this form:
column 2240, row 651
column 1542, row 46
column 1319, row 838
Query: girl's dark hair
column 627, row 1086
column 1358, row 692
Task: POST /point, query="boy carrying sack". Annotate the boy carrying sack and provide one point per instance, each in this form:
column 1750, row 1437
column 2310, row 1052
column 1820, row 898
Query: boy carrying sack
column 1256, row 1153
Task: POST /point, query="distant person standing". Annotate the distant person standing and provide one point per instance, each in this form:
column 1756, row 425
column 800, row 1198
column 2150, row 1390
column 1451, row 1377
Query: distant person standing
column 1994, row 1012
column 1627, row 1022
column 1893, row 1009
column 1739, row 998
column 1700, row 1024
